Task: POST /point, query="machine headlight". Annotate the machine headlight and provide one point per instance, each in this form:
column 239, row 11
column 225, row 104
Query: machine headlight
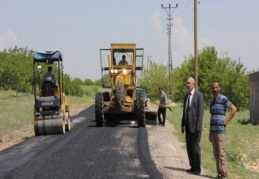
column 40, row 109
column 114, row 71
column 124, row 71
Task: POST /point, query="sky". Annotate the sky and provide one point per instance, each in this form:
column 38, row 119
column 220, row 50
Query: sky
column 80, row 28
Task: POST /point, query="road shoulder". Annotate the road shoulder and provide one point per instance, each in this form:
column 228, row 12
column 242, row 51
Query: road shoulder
column 168, row 153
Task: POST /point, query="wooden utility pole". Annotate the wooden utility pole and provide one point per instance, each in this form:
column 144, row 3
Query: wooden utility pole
column 195, row 45
column 148, row 57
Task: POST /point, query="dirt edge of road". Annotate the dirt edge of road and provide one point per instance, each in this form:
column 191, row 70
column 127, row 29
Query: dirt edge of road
column 168, row 153
column 11, row 138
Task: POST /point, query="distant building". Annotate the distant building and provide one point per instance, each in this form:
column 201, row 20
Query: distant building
column 254, row 97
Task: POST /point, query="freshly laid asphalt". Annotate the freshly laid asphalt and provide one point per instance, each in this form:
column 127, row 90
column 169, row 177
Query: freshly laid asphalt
column 116, row 151
column 87, row 151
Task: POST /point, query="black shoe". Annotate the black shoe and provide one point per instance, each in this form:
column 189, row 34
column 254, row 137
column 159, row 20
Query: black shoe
column 218, row 176
column 190, row 170
column 196, row 172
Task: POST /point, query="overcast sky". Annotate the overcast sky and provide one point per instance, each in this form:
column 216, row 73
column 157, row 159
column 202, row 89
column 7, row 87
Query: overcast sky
column 79, row 28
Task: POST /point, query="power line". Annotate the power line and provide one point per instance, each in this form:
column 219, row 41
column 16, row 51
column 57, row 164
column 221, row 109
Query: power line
column 184, row 7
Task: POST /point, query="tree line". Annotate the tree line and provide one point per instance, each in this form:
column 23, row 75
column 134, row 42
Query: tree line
column 16, row 73
column 232, row 75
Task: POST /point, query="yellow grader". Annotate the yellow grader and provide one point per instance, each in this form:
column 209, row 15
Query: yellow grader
column 51, row 109
column 122, row 79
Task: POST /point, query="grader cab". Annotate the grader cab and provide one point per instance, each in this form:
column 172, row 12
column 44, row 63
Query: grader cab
column 122, row 78
column 51, row 109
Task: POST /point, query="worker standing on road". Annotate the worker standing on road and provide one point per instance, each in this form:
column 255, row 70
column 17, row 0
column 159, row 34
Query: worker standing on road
column 193, row 111
column 162, row 106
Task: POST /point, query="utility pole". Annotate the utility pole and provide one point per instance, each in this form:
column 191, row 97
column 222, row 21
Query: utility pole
column 148, row 61
column 170, row 61
column 195, row 45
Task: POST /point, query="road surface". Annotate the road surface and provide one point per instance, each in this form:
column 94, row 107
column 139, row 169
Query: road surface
column 86, row 151
column 118, row 151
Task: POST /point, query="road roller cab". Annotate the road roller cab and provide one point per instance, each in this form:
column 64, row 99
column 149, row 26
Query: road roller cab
column 51, row 109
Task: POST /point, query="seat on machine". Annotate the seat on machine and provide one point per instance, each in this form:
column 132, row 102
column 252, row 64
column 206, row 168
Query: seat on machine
column 48, row 88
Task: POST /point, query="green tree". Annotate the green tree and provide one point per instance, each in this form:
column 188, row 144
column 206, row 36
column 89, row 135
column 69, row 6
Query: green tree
column 231, row 74
column 67, row 79
column 14, row 71
column 105, row 80
column 88, row 82
column 153, row 78
column 77, row 81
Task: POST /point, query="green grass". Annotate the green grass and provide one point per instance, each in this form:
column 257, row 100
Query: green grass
column 242, row 143
column 16, row 109
column 89, row 90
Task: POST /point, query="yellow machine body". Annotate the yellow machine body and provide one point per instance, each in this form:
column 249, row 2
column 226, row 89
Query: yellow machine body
column 51, row 109
column 123, row 79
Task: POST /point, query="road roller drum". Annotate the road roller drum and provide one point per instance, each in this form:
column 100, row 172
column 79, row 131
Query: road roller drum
column 49, row 126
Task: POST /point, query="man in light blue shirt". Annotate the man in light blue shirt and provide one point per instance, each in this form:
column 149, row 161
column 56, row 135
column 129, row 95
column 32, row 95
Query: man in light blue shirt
column 218, row 123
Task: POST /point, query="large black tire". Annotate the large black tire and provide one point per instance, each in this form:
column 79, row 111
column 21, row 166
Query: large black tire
column 99, row 114
column 141, row 111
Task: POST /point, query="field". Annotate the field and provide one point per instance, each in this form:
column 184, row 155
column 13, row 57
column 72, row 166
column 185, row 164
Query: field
column 242, row 144
column 16, row 115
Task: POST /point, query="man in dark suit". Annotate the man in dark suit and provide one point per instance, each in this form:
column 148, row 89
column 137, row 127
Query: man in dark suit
column 193, row 110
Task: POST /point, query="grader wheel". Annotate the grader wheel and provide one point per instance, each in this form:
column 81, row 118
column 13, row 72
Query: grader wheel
column 99, row 114
column 141, row 112
column 49, row 126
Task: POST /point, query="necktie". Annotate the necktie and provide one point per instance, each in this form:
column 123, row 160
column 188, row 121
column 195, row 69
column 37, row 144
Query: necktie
column 188, row 101
column 187, row 108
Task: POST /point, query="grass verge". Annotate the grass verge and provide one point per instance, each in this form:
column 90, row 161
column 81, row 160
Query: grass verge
column 16, row 114
column 242, row 144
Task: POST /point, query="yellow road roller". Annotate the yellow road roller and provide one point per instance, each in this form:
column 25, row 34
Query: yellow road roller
column 51, row 108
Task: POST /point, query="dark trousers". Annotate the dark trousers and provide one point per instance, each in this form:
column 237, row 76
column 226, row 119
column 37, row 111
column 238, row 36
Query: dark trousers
column 161, row 111
column 193, row 148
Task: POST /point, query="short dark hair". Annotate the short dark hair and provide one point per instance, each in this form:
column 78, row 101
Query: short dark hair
column 216, row 81
column 50, row 68
column 123, row 56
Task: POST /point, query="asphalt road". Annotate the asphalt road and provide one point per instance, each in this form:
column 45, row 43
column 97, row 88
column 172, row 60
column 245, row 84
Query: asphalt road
column 86, row 151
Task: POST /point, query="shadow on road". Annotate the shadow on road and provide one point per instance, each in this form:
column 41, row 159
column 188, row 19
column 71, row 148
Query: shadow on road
column 129, row 120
